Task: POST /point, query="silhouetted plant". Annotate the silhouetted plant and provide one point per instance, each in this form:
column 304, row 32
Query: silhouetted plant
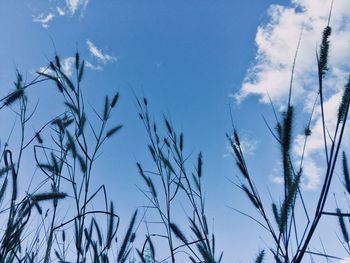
column 291, row 239
column 69, row 158
column 169, row 160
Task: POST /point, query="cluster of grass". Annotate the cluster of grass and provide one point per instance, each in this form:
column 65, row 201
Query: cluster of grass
column 36, row 231
column 66, row 160
column 292, row 229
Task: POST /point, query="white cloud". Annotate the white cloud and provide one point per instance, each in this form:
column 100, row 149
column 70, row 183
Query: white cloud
column 311, row 179
column 92, row 66
column 97, row 53
column 277, row 179
column 45, row 70
column 44, row 19
column 276, row 44
column 345, row 260
column 277, row 41
column 69, row 8
column 60, row 11
column 312, row 174
column 248, row 145
column 67, row 65
column 75, row 5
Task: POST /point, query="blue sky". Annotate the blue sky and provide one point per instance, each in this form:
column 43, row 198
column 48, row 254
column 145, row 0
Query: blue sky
column 191, row 59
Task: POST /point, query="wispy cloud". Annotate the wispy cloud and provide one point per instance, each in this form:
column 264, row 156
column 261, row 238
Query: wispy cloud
column 99, row 54
column 67, row 65
column 69, row 8
column 276, row 44
column 92, row 66
column 44, row 19
column 248, row 145
column 74, row 5
column 45, row 70
column 60, row 11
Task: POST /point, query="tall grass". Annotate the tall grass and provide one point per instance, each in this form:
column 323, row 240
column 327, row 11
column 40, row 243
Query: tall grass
column 66, row 148
column 66, row 159
column 173, row 178
column 292, row 230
